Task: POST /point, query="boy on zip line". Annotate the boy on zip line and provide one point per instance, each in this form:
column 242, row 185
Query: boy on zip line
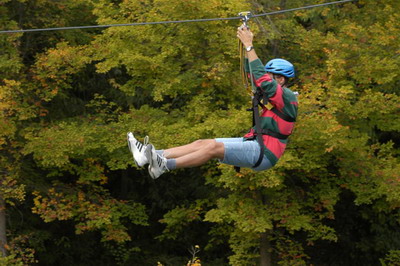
column 261, row 148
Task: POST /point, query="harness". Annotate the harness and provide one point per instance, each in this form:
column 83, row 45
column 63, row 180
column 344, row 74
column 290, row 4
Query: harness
column 259, row 132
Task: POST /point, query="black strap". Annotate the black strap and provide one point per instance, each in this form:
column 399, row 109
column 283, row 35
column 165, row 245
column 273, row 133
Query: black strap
column 259, row 130
column 282, row 115
column 264, row 98
column 237, row 169
column 257, row 123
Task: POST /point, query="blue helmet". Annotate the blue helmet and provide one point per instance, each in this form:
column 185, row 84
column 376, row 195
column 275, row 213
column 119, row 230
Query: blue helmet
column 281, row 67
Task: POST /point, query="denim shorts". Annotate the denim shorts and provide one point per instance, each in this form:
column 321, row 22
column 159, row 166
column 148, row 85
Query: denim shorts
column 243, row 153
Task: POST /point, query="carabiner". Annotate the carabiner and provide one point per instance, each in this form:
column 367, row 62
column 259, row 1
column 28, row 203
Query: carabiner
column 245, row 16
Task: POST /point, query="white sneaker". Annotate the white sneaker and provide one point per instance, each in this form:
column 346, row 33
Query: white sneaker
column 157, row 163
column 138, row 149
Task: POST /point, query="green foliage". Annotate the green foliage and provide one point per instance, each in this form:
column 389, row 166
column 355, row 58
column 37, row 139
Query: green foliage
column 20, row 253
column 176, row 60
column 10, row 190
column 243, row 246
column 290, row 252
column 345, row 103
column 91, row 212
column 67, row 99
column 11, row 260
column 391, row 259
column 177, row 219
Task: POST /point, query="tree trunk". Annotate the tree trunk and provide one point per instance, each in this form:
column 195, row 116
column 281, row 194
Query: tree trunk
column 3, row 237
column 265, row 250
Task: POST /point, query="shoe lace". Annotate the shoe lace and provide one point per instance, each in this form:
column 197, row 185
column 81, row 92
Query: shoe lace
column 146, row 141
column 140, row 145
column 162, row 162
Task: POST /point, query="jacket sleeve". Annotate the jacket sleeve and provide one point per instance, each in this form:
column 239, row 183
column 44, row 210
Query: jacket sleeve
column 246, row 65
column 264, row 82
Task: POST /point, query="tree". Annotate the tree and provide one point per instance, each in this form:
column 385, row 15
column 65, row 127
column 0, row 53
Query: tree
column 69, row 97
column 10, row 189
column 333, row 150
column 90, row 95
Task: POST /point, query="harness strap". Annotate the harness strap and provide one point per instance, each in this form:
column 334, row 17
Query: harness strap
column 256, row 120
column 282, row 115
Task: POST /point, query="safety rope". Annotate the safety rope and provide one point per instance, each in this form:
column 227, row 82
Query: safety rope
column 249, row 86
column 173, row 21
column 242, row 55
column 243, row 74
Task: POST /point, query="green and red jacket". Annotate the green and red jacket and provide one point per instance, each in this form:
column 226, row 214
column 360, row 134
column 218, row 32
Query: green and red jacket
column 284, row 100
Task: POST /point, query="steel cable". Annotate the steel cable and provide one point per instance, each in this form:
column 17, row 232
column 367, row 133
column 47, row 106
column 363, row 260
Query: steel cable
column 174, row 21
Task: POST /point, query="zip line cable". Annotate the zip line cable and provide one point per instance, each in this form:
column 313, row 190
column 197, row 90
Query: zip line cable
column 174, row 21
column 300, row 8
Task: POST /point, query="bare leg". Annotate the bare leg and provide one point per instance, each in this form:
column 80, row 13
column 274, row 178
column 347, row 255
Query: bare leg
column 200, row 156
column 180, row 151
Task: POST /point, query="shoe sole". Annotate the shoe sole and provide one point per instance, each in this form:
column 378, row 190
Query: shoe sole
column 131, row 150
column 149, row 155
column 129, row 143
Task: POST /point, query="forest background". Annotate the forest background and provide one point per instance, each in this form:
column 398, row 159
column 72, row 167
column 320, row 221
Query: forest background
column 70, row 193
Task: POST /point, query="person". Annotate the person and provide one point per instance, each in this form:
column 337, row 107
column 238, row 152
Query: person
column 259, row 153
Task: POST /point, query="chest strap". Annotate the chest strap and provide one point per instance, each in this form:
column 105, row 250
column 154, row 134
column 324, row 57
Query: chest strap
column 282, row 115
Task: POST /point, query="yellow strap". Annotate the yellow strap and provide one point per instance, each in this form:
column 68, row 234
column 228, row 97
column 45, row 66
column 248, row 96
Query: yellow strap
column 243, row 74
